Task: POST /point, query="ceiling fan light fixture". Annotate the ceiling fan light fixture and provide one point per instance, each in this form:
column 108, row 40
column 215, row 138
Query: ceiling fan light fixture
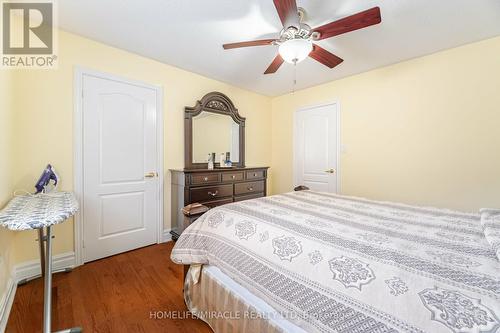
column 295, row 50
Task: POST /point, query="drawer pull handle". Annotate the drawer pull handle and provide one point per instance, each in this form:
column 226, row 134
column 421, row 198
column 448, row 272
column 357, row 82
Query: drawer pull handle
column 250, row 188
column 213, row 194
column 205, row 179
column 233, row 176
column 255, row 175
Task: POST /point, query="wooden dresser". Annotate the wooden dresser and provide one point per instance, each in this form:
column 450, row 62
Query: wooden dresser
column 214, row 188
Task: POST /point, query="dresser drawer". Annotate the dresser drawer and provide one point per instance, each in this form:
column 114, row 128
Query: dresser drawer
column 248, row 197
column 249, row 187
column 255, row 174
column 212, row 204
column 210, row 193
column 205, row 178
column 232, row 176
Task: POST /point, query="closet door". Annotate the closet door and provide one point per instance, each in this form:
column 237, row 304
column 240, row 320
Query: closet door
column 316, row 148
column 120, row 167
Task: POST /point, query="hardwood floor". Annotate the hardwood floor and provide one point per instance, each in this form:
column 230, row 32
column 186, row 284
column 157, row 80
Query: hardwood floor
column 115, row 294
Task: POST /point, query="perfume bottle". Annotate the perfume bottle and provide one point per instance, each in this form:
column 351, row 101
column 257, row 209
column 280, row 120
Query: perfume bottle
column 211, row 158
column 222, row 161
column 228, row 162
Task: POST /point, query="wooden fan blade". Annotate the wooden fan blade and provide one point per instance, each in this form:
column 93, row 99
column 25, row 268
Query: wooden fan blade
column 249, row 43
column 354, row 22
column 277, row 62
column 323, row 56
column 288, row 13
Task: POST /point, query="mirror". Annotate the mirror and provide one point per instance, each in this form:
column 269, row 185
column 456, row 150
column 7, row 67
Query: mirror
column 213, row 125
column 215, row 133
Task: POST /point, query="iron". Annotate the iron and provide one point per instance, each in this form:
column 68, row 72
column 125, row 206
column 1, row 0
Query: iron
column 43, row 184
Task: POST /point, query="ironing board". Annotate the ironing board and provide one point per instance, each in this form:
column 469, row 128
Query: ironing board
column 39, row 212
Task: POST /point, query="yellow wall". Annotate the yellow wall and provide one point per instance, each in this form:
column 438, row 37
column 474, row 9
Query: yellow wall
column 424, row 131
column 43, row 122
column 6, row 173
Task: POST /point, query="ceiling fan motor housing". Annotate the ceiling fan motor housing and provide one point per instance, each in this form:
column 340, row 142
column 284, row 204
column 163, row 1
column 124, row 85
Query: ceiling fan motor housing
column 293, row 33
column 304, row 31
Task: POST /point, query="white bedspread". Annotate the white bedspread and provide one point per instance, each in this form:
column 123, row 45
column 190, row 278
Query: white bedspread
column 330, row 263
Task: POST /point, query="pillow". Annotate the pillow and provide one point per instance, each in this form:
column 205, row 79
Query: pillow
column 490, row 220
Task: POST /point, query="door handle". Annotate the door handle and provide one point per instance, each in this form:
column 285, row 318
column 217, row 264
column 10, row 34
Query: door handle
column 330, row 171
column 151, row 175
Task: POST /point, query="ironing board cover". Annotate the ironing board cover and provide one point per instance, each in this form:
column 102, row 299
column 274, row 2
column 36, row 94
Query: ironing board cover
column 26, row 212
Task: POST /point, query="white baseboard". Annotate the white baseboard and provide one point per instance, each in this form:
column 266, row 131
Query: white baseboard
column 32, row 268
column 27, row 270
column 167, row 237
column 6, row 303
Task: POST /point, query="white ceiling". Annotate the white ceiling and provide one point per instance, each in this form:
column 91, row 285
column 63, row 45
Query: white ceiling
column 189, row 34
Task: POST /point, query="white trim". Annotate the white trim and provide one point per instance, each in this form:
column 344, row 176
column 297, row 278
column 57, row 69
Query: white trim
column 6, row 303
column 159, row 161
column 28, row 270
column 78, row 162
column 339, row 145
column 78, row 150
column 167, row 237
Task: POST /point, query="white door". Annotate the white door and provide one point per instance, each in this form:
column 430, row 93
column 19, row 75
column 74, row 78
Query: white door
column 120, row 183
column 315, row 151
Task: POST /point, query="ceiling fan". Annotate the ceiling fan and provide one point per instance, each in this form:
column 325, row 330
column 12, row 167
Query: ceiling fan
column 296, row 38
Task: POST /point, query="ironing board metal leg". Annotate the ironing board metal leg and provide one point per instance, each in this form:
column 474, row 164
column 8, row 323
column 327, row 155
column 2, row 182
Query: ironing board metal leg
column 47, row 291
column 41, row 239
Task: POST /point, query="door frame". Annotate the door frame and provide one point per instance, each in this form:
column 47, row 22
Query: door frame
column 79, row 73
column 336, row 104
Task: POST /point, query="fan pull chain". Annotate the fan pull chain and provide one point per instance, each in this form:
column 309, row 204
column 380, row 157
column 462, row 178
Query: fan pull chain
column 294, row 76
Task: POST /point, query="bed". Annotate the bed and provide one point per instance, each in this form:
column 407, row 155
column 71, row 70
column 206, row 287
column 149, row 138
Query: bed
column 318, row 262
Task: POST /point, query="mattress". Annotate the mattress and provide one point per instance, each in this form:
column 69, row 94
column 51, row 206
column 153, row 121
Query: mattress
column 228, row 307
column 331, row 263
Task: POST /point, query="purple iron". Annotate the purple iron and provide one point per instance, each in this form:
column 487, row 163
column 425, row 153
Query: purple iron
column 47, row 175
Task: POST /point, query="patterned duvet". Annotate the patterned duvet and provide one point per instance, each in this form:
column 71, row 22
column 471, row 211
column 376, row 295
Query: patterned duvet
column 332, row 263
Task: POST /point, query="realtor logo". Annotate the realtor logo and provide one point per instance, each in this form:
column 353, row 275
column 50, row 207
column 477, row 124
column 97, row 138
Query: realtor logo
column 28, row 35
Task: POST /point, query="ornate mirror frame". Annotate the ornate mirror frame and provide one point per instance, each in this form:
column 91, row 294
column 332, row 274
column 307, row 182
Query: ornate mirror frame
column 214, row 102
